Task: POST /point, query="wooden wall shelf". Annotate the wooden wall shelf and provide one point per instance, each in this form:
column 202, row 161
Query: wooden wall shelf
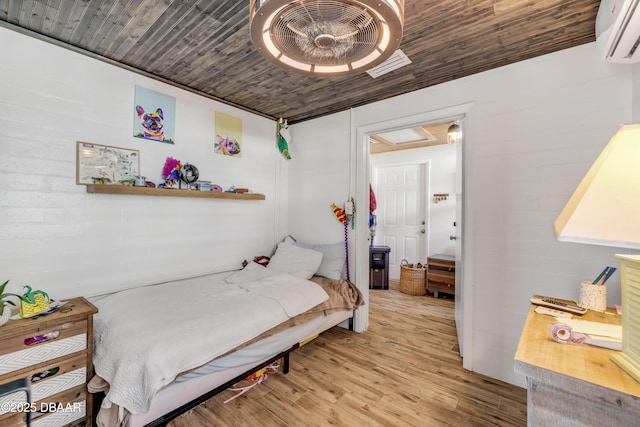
column 148, row 191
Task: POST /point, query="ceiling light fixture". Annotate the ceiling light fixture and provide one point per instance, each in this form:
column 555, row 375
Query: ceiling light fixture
column 454, row 133
column 327, row 37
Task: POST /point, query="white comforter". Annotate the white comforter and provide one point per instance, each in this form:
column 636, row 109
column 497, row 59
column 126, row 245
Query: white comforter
column 145, row 337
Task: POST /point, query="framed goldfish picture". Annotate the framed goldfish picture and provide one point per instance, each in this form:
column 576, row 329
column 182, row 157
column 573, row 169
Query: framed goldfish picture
column 154, row 116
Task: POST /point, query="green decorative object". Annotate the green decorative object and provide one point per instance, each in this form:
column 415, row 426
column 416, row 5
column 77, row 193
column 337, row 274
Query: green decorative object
column 33, row 302
column 284, row 137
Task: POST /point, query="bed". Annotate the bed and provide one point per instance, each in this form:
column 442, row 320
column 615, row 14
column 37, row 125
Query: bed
column 160, row 350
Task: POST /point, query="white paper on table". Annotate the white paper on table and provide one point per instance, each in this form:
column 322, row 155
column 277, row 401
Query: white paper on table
column 593, row 328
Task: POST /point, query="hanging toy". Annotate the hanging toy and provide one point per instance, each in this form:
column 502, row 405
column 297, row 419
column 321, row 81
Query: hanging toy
column 339, row 213
column 284, row 137
column 342, row 217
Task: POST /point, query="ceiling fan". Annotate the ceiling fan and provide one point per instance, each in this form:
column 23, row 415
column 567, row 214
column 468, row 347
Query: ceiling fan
column 327, row 37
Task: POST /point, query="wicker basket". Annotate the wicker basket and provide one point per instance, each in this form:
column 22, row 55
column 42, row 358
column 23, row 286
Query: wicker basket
column 413, row 280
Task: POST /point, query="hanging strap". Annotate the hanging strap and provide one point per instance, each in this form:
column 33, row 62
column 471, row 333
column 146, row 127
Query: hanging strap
column 346, row 248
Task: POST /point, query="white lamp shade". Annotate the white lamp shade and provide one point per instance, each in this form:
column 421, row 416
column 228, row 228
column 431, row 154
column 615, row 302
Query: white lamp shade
column 605, row 208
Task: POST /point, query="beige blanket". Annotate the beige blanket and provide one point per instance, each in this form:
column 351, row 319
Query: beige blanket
column 343, row 295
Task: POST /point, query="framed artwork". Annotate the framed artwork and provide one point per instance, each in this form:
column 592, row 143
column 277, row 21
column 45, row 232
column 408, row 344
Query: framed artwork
column 102, row 164
column 228, row 140
column 154, row 116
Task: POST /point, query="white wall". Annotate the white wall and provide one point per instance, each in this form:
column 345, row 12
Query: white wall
column 442, row 161
column 321, row 168
column 56, row 237
column 533, row 131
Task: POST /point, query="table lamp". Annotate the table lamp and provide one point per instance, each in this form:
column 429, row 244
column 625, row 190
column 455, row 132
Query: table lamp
column 605, row 210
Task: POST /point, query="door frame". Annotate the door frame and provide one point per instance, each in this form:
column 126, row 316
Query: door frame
column 464, row 305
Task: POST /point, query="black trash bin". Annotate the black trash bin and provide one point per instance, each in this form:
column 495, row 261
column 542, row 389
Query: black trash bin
column 379, row 267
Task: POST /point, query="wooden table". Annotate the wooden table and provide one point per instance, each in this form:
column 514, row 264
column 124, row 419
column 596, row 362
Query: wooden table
column 574, row 385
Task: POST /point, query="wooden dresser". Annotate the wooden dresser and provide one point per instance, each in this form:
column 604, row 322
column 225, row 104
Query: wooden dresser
column 441, row 274
column 55, row 351
column 574, row 385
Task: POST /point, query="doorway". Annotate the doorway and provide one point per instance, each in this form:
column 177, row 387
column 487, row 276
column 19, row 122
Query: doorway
column 415, row 186
column 363, row 172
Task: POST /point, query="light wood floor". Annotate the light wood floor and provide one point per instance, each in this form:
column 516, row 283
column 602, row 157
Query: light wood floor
column 405, row 370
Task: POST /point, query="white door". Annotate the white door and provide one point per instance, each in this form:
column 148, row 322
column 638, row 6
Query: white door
column 401, row 215
column 461, row 328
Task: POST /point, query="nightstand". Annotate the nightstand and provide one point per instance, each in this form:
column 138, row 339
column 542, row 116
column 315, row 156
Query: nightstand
column 55, row 352
column 574, row 385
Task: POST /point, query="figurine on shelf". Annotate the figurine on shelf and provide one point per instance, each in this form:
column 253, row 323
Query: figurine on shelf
column 171, row 173
column 189, row 174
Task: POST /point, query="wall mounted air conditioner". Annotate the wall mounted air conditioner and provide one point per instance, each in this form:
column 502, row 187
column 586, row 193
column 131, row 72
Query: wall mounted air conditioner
column 618, row 30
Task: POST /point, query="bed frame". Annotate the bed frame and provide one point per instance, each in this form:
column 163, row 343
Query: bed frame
column 163, row 420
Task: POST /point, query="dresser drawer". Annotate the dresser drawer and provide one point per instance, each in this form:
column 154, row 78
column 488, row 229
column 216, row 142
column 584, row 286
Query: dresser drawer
column 436, row 287
column 444, row 266
column 62, row 417
column 57, row 410
column 31, row 338
column 441, row 277
column 58, row 377
column 42, row 352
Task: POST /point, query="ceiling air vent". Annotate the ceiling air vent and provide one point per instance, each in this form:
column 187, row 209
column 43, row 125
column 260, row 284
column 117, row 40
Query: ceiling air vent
column 397, row 60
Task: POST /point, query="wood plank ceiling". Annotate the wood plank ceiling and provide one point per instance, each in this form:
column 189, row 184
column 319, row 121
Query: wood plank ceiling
column 205, row 46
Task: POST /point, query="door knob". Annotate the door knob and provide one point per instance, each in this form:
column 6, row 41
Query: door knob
column 422, row 231
column 453, row 238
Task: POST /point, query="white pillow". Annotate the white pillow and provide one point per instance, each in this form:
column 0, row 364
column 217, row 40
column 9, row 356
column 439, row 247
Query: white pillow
column 297, row 261
column 333, row 257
